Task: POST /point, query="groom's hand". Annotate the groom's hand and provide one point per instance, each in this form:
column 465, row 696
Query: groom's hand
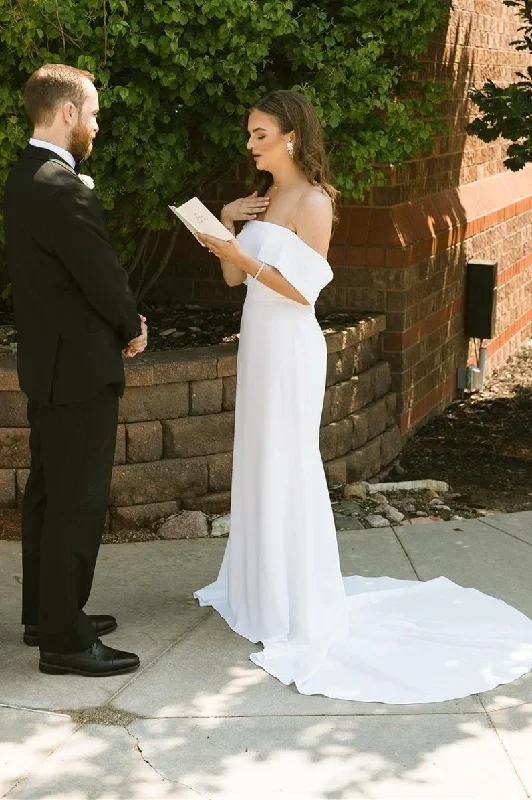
column 139, row 344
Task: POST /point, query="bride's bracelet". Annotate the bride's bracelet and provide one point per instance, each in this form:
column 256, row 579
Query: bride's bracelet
column 261, row 267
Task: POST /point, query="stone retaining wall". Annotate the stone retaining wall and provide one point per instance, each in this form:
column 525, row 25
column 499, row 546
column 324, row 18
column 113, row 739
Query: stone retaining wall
column 175, row 435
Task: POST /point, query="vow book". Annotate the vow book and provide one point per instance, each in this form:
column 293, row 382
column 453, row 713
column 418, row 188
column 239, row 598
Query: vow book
column 199, row 219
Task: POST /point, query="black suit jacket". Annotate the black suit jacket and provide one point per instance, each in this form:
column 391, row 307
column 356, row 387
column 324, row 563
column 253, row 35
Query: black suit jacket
column 73, row 307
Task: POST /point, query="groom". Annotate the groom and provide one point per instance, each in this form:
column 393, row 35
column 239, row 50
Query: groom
column 75, row 316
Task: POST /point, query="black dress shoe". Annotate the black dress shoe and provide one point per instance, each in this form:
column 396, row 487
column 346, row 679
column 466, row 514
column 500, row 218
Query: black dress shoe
column 102, row 624
column 98, row 661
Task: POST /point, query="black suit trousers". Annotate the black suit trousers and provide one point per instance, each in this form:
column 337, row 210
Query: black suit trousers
column 63, row 515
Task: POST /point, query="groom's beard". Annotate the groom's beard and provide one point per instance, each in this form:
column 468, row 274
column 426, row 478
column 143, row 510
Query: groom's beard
column 81, row 142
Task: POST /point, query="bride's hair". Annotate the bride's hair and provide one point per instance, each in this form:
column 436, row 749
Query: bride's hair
column 293, row 112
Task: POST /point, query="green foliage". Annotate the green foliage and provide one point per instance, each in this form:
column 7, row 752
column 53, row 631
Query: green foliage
column 176, row 77
column 507, row 111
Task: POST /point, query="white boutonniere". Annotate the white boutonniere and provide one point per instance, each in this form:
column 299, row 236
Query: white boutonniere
column 87, row 180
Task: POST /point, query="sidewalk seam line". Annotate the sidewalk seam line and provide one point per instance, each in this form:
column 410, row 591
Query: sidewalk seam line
column 507, row 754
column 403, row 548
column 150, row 765
column 179, row 640
column 506, row 533
column 22, row 780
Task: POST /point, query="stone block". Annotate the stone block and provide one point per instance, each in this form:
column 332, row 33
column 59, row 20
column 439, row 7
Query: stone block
column 219, row 503
column 335, row 472
column 340, row 366
column 7, row 488
column 186, row 525
column 141, row 518
column 221, row 526
column 120, row 450
column 328, row 442
column 343, row 434
column 198, row 436
column 365, row 462
column 382, row 378
column 391, row 409
column 364, row 356
column 347, row 397
column 334, row 368
column 377, row 415
column 138, row 372
column 146, row 403
column 391, row 445
column 360, row 429
column 226, row 365
column 178, row 366
column 158, row 481
column 10, row 523
column 21, row 479
column 14, row 447
column 206, row 396
column 8, row 375
column 144, row 441
column 13, row 412
column 229, row 393
column 220, row 471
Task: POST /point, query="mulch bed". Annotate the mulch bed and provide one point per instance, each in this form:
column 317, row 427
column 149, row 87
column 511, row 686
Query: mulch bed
column 481, row 445
column 176, row 327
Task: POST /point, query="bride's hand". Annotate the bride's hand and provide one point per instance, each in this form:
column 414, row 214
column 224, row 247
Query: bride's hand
column 244, row 208
column 226, row 251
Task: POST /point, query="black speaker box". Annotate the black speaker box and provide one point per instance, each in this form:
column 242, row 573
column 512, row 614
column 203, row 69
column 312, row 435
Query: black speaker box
column 480, row 299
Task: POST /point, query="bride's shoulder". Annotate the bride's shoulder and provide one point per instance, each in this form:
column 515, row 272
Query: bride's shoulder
column 315, row 198
column 314, row 218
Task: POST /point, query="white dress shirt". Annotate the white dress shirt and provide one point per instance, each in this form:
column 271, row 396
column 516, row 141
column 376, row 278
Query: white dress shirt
column 65, row 155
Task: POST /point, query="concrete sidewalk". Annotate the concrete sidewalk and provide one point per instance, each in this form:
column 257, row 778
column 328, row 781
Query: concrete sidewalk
column 199, row 720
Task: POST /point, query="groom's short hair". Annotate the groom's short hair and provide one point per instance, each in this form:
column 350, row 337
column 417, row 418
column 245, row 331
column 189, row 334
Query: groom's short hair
column 51, row 85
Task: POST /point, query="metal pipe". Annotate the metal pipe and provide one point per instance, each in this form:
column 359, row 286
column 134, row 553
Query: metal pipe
column 482, row 357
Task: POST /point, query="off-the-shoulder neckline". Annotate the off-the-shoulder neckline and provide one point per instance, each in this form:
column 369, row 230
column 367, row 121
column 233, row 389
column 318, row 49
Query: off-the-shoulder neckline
column 284, row 228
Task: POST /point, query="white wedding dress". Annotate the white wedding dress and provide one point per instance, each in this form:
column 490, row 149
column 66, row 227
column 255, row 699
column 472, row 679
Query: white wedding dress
column 369, row 639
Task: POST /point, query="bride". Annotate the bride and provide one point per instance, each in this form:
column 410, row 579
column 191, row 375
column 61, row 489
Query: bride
column 369, row 639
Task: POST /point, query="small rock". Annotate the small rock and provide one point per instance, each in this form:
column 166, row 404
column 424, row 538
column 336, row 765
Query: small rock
column 421, row 514
column 409, row 486
column 358, row 490
column 221, row 525
column 424, row 520
column 377, row 521
column 436, row 501
column 348, row 523
column 379, row 498
column 347, row 507
column 167, row 332
column 399, row 470
column 481, row 512
column 393, row 514
column 186, row 525
column 410, row 508
column 457, row 516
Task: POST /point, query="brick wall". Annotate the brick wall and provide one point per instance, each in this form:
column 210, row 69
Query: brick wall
column 175, row 437
column 403, row 252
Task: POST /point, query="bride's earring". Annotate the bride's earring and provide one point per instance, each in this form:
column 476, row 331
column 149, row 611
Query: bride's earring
column 290, row 148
